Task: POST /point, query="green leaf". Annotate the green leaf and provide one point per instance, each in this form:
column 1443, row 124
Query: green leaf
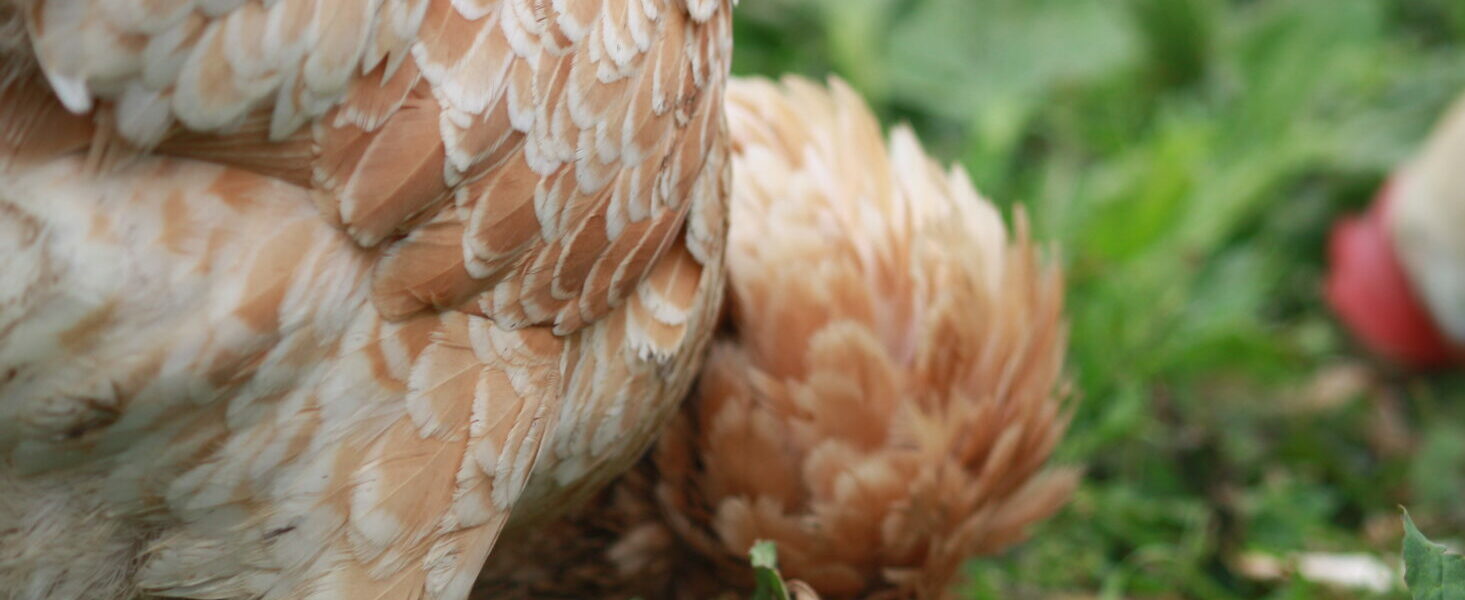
column 769, row 584
column 1431, row 572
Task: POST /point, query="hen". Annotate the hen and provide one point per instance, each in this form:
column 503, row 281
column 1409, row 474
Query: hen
column 881, row 402
column 1397, row 273
column 316, row 298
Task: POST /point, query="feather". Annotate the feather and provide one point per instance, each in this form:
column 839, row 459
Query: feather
column 884, row 399
column 320, row 298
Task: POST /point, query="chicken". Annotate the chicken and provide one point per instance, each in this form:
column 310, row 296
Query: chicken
column 881, row 402
column 318, row 298
column 1397, row 273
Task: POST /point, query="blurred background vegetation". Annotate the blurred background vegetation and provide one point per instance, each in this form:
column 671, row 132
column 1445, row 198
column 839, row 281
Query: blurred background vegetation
column 1186, row 159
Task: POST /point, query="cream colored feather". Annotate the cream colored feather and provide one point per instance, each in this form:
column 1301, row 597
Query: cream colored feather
column 317, row 298
column 883, row 400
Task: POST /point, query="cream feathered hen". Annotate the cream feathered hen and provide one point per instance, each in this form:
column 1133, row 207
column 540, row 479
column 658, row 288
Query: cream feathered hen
column 881, row 403
column 315, row 298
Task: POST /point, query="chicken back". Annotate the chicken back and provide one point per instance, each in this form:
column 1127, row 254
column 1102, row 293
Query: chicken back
column 316, row 298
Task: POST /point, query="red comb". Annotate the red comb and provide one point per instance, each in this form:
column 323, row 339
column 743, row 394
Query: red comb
column 1369, row 290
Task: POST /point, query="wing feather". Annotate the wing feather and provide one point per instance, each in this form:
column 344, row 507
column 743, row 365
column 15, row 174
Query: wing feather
column 599, row 111
column 493, row 176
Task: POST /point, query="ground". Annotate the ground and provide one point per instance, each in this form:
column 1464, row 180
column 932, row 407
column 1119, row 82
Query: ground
column 1185, row 158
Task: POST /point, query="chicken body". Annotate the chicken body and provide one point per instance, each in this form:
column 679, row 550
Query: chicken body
column 881, row 402
column 316, row 298
column 893, row 389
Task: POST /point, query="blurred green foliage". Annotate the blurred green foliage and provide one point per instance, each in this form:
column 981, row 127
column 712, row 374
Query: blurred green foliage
column 1186, row 159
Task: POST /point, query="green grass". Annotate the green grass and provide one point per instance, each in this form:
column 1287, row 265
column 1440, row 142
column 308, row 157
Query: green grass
column 1187, row 158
